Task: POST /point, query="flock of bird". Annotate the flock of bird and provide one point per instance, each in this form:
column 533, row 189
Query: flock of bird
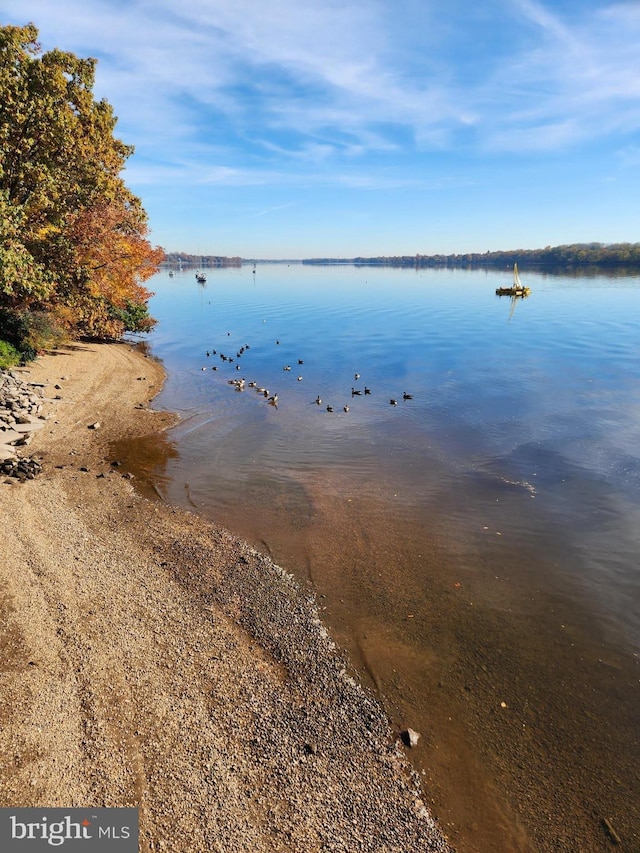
column 240, row 384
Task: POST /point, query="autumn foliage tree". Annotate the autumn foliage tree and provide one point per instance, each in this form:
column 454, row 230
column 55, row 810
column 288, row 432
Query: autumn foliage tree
column 74, row 248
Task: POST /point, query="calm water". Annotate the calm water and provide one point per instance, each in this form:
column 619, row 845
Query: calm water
column 509, row 483
column 539, row 410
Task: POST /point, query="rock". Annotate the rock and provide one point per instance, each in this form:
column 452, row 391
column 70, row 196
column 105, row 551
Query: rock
column 20, row 408
column 410, row 737
column 95, row 425
column 21, row 469
column 6, row 452
column 27, row 426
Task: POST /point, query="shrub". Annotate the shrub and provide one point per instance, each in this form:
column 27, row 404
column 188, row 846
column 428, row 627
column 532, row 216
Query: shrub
column 29, row 332
column 9, row 355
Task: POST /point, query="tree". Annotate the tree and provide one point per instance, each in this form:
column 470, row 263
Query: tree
column 73, row 238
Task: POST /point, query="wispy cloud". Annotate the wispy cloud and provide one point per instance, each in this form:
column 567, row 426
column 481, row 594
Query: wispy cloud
column 329, row 80
column 267, row 211
column 577, row 81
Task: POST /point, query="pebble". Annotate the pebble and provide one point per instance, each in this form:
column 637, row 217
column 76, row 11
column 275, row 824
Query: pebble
column 410, row 737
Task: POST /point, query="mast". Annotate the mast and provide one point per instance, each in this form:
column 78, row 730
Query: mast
column 516, row 277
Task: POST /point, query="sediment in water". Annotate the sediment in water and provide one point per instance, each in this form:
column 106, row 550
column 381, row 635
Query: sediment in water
column 151, row 659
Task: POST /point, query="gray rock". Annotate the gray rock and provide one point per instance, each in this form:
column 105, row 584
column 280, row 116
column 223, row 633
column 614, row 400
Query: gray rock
column 410, row 737
column 20, row 408
column 31, row 426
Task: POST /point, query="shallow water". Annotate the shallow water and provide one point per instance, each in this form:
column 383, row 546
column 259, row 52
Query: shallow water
column 538, row 410
column 486, row 528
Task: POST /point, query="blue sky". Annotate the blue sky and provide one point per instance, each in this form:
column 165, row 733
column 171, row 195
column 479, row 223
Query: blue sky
column 289, row 129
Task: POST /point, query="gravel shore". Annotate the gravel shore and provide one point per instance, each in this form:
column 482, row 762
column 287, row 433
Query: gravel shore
column 150, row 659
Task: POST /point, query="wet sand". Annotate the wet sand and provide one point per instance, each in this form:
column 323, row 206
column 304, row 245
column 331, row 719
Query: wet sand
column 151, row 659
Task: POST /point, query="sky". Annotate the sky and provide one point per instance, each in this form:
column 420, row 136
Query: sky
column 344, row 128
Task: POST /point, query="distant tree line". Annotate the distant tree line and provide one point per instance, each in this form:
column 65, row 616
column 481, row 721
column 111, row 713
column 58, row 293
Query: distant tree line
column 576, row 255
column 73, row 238
column 183, row 259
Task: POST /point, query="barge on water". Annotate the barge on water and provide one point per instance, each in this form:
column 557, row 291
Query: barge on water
column 516, row 289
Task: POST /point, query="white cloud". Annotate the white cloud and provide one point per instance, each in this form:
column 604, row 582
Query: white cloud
column 578, row 82
column 335, row 79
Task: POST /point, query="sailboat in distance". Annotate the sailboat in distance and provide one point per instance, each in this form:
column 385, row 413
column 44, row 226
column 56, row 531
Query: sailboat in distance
column 516, row 289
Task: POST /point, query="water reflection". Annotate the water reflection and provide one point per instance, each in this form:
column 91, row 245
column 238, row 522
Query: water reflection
column 476, row 543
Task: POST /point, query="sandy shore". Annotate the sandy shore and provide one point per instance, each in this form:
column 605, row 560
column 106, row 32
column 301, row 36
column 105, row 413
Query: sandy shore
column 149, row 659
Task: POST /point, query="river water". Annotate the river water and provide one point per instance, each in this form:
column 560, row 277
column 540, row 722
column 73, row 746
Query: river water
column 474, row 545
